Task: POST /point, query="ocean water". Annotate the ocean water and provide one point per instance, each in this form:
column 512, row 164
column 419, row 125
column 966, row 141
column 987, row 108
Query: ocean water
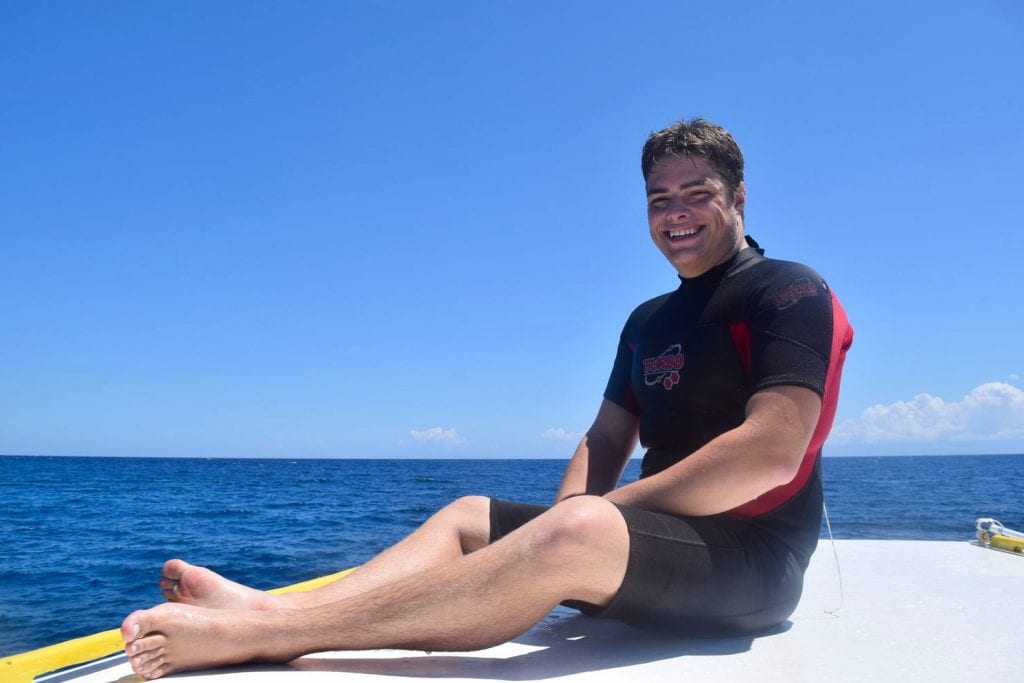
column 82, row 539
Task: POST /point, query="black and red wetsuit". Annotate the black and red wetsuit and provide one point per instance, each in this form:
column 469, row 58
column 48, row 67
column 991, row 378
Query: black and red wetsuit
column 687, row 363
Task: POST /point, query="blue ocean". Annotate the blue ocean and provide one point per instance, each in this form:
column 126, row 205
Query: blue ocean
column 82, row 539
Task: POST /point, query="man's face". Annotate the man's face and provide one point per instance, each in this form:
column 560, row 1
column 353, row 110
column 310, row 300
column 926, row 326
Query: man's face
column 693, row 221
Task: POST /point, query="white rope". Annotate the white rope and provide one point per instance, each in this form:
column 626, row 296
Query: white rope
column 835, row 553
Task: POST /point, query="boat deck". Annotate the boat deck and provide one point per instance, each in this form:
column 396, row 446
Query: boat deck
column 924, row 610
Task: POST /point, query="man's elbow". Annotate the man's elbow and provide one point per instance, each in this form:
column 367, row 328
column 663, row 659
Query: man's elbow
column 784, row 455
column 783, row 466
column 601, row 441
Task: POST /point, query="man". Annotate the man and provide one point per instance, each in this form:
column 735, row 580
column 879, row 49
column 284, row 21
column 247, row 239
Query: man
column 730, row 382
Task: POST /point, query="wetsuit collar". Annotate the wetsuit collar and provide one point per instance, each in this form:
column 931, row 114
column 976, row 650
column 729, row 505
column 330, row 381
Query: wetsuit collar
column 752, row 244
column 740, row 261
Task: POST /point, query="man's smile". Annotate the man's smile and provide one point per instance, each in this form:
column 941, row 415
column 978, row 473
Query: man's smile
column 683, row 233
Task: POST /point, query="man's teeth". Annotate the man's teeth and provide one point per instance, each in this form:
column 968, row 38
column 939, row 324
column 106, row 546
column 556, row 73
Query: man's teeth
column 682, row 233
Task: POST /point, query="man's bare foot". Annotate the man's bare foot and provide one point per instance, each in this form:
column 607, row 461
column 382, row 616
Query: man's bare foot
column 170, row 638
column 186, row 583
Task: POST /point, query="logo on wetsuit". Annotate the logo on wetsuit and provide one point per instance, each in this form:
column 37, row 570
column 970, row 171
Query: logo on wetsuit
column 801, row 289
column 664, row 369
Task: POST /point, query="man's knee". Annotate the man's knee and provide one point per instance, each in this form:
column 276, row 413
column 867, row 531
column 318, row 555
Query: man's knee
column 470, row 518
column 582, row 525
column 582, row 545
column 472, row 507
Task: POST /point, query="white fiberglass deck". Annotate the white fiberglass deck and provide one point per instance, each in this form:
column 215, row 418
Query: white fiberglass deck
column 913, row 610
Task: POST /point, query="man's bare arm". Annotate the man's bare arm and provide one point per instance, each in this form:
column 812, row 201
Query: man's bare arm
column 601, row 456
column 737, row 466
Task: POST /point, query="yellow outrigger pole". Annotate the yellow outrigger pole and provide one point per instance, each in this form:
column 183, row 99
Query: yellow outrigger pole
column 24, row 667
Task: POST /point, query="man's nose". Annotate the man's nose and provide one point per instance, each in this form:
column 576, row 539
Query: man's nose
column 678, row 210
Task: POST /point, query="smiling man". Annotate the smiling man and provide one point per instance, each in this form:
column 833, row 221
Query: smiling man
column 696, row 219
column 730, row 382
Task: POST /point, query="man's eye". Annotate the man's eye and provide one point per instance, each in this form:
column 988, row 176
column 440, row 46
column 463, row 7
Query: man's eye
column 658, row 202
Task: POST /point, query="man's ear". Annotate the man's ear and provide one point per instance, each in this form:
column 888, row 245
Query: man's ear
column 739, row 197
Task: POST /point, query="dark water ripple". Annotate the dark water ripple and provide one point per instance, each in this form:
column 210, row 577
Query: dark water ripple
column 82, row 539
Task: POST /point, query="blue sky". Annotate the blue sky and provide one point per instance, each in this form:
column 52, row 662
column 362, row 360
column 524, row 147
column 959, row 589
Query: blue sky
column 402, row 229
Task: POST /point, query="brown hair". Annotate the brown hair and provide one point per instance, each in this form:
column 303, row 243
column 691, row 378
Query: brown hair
column 696, row 138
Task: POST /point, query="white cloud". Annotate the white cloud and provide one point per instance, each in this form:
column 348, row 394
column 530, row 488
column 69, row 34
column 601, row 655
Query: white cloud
column 990, row 412
column 559, row 434
column 445, row 437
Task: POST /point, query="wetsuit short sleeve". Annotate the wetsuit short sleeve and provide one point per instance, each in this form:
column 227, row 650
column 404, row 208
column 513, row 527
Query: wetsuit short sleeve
column 791, row 331
column 619, row 389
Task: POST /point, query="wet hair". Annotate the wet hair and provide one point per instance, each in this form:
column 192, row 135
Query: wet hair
column 696, row 138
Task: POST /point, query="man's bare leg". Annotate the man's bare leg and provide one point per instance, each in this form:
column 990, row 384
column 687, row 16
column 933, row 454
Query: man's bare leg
column 577, row 550
column 456, row 530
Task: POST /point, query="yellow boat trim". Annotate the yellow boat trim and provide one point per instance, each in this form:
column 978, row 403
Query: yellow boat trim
column 24, row 667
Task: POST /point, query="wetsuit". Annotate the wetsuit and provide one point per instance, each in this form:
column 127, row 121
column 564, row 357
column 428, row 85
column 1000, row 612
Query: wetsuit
column 687, row 363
